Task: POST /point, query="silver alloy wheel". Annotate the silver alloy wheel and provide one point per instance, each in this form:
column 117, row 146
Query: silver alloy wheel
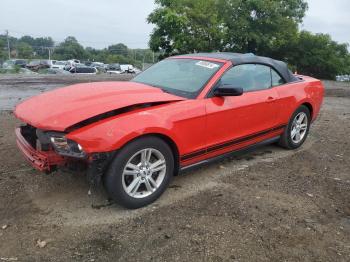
column 299, row 127
column 144, row 173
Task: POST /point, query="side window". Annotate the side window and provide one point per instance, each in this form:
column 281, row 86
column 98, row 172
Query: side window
column 277, row 80
column 250, row 77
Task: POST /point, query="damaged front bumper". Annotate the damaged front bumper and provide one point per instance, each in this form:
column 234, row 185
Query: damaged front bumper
column 44, row 158
column 44, row 161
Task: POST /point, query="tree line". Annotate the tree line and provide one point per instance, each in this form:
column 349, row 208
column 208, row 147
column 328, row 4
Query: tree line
column 28, row 47
column 267, row 28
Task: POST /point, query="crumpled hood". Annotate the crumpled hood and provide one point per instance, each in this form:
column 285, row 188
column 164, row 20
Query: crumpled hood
column 61, row 108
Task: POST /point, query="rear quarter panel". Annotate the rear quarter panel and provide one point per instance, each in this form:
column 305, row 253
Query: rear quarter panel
column 291, row 96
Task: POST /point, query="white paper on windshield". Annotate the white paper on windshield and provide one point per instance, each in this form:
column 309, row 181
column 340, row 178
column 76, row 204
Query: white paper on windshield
column 207, row 64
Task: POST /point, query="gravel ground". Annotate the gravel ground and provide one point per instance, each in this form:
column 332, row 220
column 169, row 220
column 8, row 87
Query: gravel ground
column 268, row 205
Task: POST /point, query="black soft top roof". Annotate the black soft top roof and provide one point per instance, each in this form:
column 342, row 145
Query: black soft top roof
column 238, row 59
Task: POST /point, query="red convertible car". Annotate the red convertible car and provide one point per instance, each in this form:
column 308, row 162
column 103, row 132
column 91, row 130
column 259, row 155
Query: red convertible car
column 183, row 111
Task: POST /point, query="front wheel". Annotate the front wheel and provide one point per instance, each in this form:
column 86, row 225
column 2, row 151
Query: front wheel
column 140, row 172
column 297, row 130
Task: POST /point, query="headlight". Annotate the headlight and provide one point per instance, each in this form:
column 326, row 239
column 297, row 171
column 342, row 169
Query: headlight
column 66, row 147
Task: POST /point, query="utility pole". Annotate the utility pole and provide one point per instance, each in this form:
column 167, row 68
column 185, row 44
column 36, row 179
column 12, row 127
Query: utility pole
column 143, row 61
column 8, row 44
column 49, row 53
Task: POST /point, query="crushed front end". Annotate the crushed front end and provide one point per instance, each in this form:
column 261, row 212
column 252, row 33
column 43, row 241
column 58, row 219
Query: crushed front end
column 43, row 158
column 45, row 151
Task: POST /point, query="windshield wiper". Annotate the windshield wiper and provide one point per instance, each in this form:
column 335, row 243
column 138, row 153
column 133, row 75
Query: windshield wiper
column 162, row 88
column 166, row 91
column 157, row 86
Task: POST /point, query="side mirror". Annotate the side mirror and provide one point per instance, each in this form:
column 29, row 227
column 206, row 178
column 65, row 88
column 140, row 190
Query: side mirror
column 227, row 90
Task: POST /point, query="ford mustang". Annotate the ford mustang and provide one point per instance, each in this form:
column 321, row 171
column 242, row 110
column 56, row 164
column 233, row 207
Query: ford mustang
column 182, row 112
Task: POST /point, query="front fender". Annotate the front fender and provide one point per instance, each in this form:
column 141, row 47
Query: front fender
column 112, row 133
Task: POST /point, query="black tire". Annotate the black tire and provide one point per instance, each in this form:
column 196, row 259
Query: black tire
column 286, row 140
column 113, row 178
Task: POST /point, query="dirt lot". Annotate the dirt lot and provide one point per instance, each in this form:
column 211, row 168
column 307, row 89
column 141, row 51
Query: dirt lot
column 14, row 88
column 268, row 205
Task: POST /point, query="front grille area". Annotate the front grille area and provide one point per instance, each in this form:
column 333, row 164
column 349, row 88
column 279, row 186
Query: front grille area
column 29, row 133
column 36, row 138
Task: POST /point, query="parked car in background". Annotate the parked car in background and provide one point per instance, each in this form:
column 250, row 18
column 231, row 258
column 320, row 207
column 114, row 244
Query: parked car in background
column 35, row 65
column 182, row 112
column 59, row 65
column 82, row 69
column 55, row 71
column 127, row 69
column 114, row 69
column 342, row 78
column 10, row 64
column 74, row 61
column 87, row 63
column 21, row 62
column 71, row 63
column 49, row 63
column 101, row 67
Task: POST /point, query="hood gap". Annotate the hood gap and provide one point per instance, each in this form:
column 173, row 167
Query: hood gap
column 113, row 113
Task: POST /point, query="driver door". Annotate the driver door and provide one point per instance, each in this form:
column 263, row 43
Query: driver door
column 234, row 120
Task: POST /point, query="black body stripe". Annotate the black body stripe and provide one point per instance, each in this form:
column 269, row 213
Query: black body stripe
column 194, row 154
column 229, row 143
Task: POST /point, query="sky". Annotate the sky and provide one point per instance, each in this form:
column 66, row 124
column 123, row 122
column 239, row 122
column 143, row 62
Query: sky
column 104, row 22
column 329, row 16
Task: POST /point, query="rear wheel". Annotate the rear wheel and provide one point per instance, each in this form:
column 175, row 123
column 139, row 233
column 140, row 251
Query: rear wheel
column 140, row 172
column 297, row 130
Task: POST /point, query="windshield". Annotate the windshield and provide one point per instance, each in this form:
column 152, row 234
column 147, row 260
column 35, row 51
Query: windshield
column 182, row 77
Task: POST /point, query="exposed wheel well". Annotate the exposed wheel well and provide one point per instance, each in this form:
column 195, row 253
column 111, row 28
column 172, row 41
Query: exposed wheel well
column 309, row 106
